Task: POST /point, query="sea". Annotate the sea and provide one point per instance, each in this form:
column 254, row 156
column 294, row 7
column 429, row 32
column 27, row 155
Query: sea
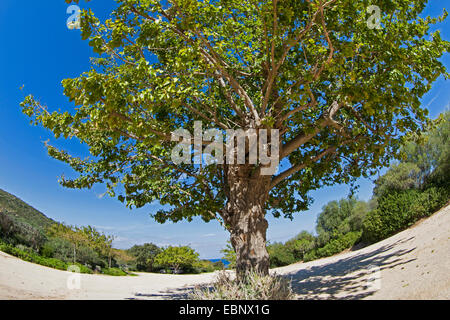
column 225, row 262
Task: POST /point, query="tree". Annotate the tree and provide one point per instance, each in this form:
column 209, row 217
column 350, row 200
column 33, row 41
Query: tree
column 339, row 93
column 280, row 254
column 339, row 218
column 69, row 233
column 426, row 160
column 431, row 152
column 401, row 176
column 145, row 255
column 98, row 241
column 301, row 244
column 177, row 257
column 230, row 255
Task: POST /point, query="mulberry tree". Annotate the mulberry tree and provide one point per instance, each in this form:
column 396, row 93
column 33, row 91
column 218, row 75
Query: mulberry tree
column 341, row 81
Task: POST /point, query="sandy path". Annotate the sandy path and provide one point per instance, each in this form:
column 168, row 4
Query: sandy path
column 413, row 264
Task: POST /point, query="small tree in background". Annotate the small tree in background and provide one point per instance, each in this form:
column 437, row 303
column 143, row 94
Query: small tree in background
column 69, row 233
column 177, row 257
column 145, row 256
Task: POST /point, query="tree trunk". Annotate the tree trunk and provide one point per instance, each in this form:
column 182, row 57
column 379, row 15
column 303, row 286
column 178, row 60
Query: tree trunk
column 245, row 219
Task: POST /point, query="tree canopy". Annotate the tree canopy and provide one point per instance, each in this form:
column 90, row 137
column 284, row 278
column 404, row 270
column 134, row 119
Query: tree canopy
column 177, row 257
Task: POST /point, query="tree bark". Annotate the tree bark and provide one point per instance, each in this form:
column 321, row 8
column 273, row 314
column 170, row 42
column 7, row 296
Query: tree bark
column 245, row 219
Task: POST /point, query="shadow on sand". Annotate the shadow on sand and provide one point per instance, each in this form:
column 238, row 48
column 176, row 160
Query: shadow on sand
column 342, row 279
column 169, row 294
column 347, row 277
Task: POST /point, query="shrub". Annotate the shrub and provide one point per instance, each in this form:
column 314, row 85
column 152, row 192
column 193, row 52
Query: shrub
column 58, row 248
column 35, row 258
column 280, row 255
column 334, row 246
column 114, row 272
column 86, row 255
column 182, row 257
column 144, row 256
column 300, row 246
column 15, row 231
column 310, row 256
column 255, row 287
column 397, row 211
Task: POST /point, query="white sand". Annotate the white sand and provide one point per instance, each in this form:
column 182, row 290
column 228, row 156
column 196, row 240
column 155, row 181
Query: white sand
column 413, row 264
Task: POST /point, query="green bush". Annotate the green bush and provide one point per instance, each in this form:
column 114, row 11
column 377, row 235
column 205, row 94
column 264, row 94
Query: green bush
column 58, row 248
column 86, row 255
column 114, row 272
column 144, row 256
column 301, row 244
column 35, row 258
column 177, row 258
column 280, row 255
column 335, row 246
column 399, row 210
column 62, row 249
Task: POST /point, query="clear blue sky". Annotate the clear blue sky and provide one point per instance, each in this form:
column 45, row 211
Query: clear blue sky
column 38, row 51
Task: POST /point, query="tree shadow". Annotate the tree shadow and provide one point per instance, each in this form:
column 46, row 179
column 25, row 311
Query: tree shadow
column 345, row 278
column 168, row 294
column 348, row 277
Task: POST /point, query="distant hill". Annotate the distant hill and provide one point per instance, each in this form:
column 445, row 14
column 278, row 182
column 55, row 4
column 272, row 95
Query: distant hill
column 20, row 211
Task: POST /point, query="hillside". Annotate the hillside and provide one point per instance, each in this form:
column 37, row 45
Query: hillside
column 20, row 211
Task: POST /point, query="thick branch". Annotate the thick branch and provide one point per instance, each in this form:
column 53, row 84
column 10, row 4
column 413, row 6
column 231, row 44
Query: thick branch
column 285, row 174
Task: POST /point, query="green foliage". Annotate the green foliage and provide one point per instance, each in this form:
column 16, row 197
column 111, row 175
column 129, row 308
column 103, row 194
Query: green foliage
column 340, row 217
column 338, row 226
column 399, row 177
column 205, row 266
column 413, row 189
column 124, row 259
column 145, row 256
column 14, row 207
column 280, row 255
column 114, row 272
column 431, row 152
column 253, row 287
column 302, row 243
column 35, row 258
column 334, row 246
column 230, row 255
column 177, row 258
column 58, row 248
column 21, row 223
column 218, row 265
column 398, row 210
column 16, row 231
column 89, row 246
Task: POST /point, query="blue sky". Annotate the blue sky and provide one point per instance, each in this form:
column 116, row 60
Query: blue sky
column 39, row 51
